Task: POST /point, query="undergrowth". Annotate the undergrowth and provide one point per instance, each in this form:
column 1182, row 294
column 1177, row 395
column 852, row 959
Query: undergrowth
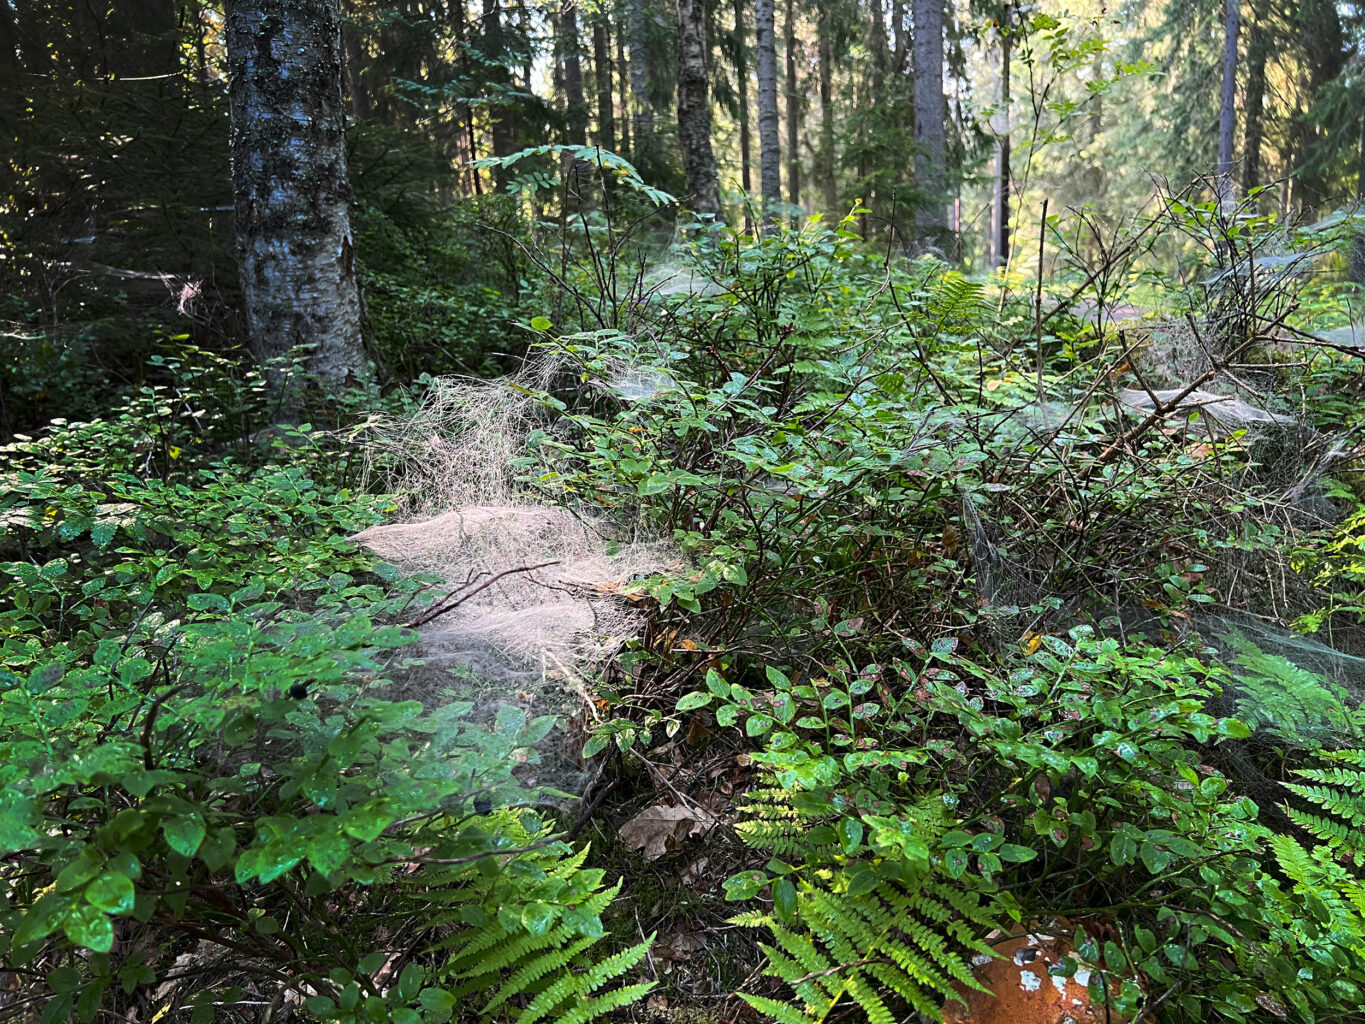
column 969, row 631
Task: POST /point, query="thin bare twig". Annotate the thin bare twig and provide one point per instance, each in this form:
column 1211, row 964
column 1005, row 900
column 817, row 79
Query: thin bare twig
column 459, row 596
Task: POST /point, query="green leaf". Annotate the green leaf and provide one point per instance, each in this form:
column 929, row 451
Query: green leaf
column 89, row 927
column 217, row 848
column 328, row 851
column 537, row 917
column 1156, row 859
column 112, row 893
column 410, row 981
column 437, row 1000
column 784, row 899
column 277, row 859
column 368, row 821
column 692, row 701
column 184, row 834
column 1016, row 854
column 1122, row 849
column 541, row 323
column 745, row 885
column 207, row 602
column 64, row 979
column 85, row 867
column 597, row 743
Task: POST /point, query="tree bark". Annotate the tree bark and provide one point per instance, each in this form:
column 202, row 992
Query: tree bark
column 828, row 186
column 1000, row 241
column 356, row 84
column 501, row 114
column 877, row 43
column 577, row 107
column 793, row 111
column 642, row 127
column 694, row 109
column 601, row 70
column 1356, row 270
column 1227, row 122
column 742, row 87
column 769, row 142
column 930, row 136
column 290, row 184
column 1257, row 54
column 622, row 93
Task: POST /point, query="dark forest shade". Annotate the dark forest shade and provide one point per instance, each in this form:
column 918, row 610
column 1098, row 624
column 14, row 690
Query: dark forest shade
column 290, row 185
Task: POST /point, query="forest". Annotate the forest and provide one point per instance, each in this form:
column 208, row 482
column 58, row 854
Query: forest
column 682, row 511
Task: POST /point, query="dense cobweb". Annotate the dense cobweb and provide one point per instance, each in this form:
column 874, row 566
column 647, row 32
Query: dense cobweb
column 535, row 589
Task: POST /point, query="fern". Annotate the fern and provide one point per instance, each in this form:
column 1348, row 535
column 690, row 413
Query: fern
column 1300, row 706
column 1341, row 793
column 881, row 944
column 518, row 946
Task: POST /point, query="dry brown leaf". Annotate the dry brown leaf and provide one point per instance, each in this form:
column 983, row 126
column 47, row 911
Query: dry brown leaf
column 660, row 829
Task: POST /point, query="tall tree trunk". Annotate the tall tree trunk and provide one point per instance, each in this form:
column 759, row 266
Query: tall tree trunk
column 769, row 141
column 356, row 84
column 503, row 128
column 694, row 109
column 900, row 38
column 1257, row 54
column 1000, row 240
column 742, row 87
column 1356, row 271
column 793, row 111
column 930, row 135
column 642, row 126
column 828, row 188
column 623, row 93
column 1227, row 122
column 877, row 43
column 573, row 76
column 601, row 70
column 290, row 184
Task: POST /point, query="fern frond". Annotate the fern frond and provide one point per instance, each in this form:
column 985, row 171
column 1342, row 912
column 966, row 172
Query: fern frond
column 606, row 1003
column 491, row 967
column 783, row 1013
column 1340, row 792
column 525, row 977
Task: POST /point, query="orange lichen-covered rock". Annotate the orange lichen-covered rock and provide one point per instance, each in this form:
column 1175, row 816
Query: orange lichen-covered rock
column 1022, row 990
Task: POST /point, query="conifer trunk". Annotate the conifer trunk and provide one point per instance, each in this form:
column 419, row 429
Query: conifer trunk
column 642, row 127
column 1227, row 122
column 742, row 87
column 769, row 141
column 601, row 69
column 293, row 197
column 1256, row 86
column 1000, row 242
column 930, row 136
column 793, row 112
column 828, row 187
column 623, row 95
column 694, row 109
column 577, row 107
column 1356, row 270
